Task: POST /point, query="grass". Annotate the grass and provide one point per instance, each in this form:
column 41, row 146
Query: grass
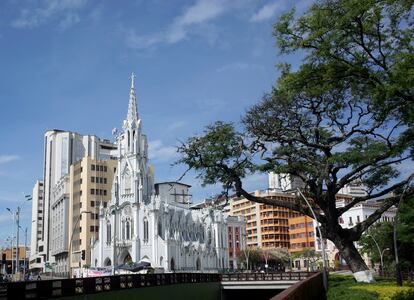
column 345, row 288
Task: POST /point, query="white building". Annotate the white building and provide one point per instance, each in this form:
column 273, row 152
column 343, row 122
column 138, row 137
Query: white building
column 61, row 150
column 354, row 189
column 284, row 182
column 154, row 223
column 37, row 257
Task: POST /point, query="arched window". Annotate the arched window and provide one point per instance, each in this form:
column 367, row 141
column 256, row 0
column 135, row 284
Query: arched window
column 160, row 233
column 123, row 229
column 128, row 229
column 108, row 233
column 128, row 138
column 146, row 234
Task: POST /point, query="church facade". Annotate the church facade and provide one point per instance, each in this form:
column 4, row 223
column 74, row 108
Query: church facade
column 153, row 223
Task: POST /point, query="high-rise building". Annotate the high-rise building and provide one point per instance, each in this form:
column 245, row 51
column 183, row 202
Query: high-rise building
column 284, row 182
column 37, row 257
column 61, row 150
column 91, row 187
column 266, row 225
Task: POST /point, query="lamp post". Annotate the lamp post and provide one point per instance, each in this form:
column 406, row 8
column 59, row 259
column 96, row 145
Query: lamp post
column 11, row 242
column 379, row 250
column 325, row 276
column 70, row 243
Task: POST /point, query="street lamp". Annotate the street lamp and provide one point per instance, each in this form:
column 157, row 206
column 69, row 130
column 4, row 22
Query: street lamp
column 379, row 250
column 70, row 242
column 325, row 276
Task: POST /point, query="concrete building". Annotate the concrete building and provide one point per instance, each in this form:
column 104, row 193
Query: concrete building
column 236, row 228
column 91, row 183
column 38, row 254
column 354, row 189
column 8, row 259
column 267, row 226
column 284, row 182
column 61, row 150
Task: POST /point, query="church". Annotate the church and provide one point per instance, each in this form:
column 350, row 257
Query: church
column 153, row 223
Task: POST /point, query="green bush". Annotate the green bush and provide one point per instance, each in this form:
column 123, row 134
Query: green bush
column 404, row 295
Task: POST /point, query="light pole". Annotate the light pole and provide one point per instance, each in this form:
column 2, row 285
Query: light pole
column 11, row 242
column 325, row 276
column 70, row 243
column 379, row 250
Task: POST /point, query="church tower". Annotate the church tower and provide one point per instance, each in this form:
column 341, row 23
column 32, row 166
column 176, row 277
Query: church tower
column 135, row 178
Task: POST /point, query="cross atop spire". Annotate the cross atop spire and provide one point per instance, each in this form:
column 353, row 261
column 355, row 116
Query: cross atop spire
column 132, row 80
column 132, row 105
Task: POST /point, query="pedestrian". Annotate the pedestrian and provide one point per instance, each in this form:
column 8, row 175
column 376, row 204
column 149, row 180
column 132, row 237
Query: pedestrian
column 38, row 277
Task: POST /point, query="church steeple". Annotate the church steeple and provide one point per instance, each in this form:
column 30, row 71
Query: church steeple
column 132, row 105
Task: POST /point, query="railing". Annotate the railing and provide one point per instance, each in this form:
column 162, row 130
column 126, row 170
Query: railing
column 405, row 275
column 310, row 288
column 80, row 286
column 282, row 276
column 75, row 287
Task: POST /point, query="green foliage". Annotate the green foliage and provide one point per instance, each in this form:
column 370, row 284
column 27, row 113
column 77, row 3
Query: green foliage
column 403, row 295
column 345, row 288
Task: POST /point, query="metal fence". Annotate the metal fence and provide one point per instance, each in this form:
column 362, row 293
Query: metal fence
column 44, row 289
column 309, row 289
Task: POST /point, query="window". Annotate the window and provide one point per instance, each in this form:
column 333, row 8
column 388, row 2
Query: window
column 92, row 168
column 105, row 168
column 358, row 220
column 350, row 220
column 101, row 168
column 104, row 192
column 341, row 220
column 146, row 230
column 92, row 191
column 108, row 233
column 104, row 180
column 105, row 204
column 128, row 229
column 92, row 179
column 92, row 228
column 92, row 203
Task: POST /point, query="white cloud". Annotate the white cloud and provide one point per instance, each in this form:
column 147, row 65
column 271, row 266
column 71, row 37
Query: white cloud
column 36, row 16
column 197, row 14
column 159, row 152
column 267, row 12
column 8, row 158
column 240, row 66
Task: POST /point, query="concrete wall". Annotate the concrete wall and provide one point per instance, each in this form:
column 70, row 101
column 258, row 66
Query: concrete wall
column 199, row 291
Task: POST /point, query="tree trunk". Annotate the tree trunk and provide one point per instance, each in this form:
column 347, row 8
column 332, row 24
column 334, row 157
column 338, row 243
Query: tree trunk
column 354, row 260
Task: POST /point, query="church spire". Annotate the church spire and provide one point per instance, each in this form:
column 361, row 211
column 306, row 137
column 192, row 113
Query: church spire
column 132, row 105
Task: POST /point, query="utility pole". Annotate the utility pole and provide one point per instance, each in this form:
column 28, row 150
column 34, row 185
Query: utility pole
column 17, row 271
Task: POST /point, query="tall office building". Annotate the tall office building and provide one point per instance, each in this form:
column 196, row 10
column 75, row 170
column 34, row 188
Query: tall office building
column 284, row 182
column 61, row 150
column 91, row 186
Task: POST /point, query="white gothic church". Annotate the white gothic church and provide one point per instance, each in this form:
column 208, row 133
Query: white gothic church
column 153, row 222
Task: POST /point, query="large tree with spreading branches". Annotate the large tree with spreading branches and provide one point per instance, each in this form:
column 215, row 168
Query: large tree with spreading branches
column 345, row 115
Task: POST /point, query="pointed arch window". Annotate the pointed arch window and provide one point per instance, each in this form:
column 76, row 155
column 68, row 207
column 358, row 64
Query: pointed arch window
column 128, row 138
column 108, row 233
column 146, row 233
column 128, row 229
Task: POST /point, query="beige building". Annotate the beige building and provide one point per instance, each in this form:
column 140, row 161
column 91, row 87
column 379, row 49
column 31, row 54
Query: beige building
column 90, row 187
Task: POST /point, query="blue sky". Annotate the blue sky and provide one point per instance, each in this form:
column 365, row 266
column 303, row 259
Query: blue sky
column 66, row 64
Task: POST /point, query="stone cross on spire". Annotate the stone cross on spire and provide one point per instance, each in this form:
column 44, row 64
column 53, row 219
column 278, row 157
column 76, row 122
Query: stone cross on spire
column 132, row 80
column 132, row 105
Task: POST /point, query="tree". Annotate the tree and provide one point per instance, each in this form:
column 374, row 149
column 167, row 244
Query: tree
column 309, row 255
column 344, row 115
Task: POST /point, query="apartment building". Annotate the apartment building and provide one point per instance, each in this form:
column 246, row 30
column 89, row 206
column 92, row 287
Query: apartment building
column 50, row 209
column 37, row 257
column 267, row 226
column 91, row 188
column 236, row 230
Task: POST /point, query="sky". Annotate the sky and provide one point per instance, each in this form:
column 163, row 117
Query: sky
column 66, row 64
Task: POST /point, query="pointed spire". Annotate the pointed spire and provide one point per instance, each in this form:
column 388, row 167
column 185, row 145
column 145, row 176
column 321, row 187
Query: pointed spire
column 132, row 105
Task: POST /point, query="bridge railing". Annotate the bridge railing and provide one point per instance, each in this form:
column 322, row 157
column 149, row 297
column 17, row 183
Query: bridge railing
column 282, row 276
column 79, row 286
